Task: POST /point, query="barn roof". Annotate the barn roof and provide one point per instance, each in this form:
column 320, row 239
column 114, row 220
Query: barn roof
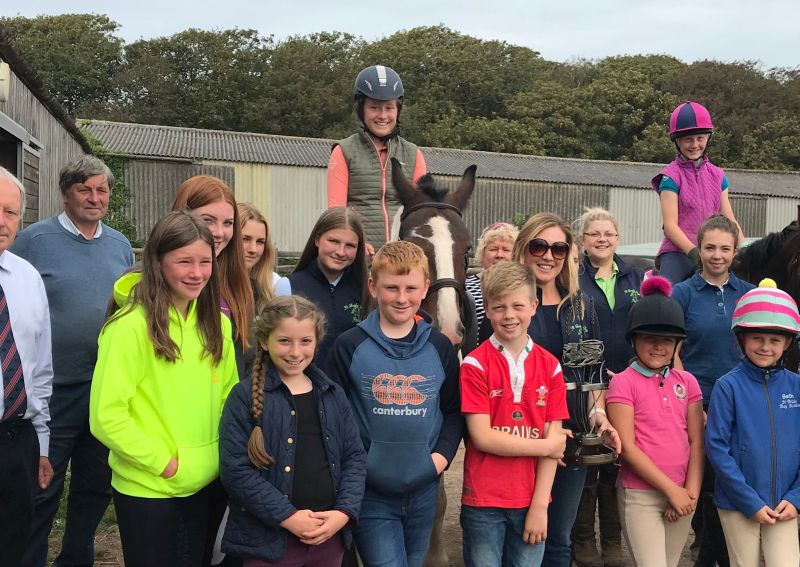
column 195, row 144
column 31, row 79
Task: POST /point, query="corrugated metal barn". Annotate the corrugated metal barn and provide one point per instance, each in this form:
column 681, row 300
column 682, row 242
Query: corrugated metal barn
column 285, row 178
column 37, row 137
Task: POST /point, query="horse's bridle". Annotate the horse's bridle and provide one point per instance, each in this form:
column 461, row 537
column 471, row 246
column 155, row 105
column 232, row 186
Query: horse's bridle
column 436, row 285
column 467, row 312
column 418, row 206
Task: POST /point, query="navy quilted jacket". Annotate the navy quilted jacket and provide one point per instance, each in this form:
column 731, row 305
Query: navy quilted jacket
column 259, row 499
column 618, row 352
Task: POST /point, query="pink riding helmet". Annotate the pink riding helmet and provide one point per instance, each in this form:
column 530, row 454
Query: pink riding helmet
column 690, row 118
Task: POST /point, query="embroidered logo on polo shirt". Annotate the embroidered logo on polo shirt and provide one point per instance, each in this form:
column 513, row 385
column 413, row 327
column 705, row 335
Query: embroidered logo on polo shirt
column 496, row 393
column 680, row 391
column 541, row 391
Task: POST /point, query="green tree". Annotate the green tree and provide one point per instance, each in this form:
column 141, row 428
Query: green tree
column 195, row 78
column 444, row 72
column 489, row 135
column 774, row 145
column 656, row 70
column 77, row 56
column 307, row 89
column 554, row 112
column 740, row 97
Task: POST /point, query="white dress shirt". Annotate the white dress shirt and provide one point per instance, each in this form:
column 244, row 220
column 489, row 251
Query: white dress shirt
column 67, row 223
column 30, row 323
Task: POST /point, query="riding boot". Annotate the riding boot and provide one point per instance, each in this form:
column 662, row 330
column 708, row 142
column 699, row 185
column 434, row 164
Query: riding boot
column 610, row 532
column 584, row 546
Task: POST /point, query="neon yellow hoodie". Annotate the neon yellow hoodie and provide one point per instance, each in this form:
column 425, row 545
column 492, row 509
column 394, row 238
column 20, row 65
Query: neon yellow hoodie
column 147, row 410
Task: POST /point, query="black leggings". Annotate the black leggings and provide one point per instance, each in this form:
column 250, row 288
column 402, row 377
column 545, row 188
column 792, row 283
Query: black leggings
column 165, row 532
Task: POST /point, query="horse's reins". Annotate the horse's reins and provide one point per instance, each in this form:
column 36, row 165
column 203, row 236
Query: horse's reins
column 467, row 316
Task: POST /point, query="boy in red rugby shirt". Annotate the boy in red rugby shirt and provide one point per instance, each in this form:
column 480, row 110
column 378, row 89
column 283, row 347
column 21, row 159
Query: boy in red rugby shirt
column 514, row 398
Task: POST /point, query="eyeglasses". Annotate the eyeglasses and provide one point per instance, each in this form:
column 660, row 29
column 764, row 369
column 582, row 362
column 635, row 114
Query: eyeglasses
column 540, row 246
column 597, row 235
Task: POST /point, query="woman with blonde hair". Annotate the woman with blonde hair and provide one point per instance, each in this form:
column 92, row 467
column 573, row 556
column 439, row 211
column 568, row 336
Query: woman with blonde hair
column 260, row 255
column 614, row 287
column 495, row 244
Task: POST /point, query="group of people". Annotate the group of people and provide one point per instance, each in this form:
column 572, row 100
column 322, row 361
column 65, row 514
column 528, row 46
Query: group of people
column 236, row 417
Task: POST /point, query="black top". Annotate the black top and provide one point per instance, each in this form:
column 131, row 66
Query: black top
column 312, row 488
column 340, row 303
column 611, row 322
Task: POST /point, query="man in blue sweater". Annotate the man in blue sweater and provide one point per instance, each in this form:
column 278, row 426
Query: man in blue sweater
column 79, row 259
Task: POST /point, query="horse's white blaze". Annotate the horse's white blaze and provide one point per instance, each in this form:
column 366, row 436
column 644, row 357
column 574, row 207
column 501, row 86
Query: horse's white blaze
column 394, row 230
column 447, row 314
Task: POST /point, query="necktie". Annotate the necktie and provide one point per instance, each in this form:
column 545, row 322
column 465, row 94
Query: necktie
column 14, row 399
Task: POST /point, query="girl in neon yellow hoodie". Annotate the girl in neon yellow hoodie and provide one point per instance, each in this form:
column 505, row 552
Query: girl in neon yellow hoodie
column 164, row 368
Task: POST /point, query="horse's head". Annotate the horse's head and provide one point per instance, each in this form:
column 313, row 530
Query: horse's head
column 432, row 219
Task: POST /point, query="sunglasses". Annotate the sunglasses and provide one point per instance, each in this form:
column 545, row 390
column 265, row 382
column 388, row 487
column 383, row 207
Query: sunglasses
column 540, row 246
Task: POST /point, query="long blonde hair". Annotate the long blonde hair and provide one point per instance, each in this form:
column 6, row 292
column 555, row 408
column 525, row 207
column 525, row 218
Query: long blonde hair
column 260, row 274
column 276, row 311
column 567, row 279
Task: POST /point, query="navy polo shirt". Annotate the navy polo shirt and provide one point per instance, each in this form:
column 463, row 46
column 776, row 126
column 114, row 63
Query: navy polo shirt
column 711, row 348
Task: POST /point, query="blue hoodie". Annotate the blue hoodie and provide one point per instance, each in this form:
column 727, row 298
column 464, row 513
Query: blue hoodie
column 405, row 398
column 753, row 438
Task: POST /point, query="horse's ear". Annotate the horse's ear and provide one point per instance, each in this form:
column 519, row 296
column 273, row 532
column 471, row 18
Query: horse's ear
column 460, row 197
column 404, row 188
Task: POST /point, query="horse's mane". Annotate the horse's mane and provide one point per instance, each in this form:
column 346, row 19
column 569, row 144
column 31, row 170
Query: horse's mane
column 751, row 260
column 768, row 246
column 427, row 184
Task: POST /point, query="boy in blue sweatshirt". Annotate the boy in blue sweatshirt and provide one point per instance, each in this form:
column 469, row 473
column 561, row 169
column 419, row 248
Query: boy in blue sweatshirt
column 401, row 377
column 753, row 434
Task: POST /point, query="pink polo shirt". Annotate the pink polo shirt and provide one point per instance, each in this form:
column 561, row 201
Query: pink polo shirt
column 660, row 415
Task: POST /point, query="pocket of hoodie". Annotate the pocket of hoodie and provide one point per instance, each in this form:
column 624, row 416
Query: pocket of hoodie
column 397, row 468
column 197, row 467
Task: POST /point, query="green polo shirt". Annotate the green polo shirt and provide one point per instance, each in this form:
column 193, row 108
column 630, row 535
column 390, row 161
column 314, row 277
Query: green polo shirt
column 607, row 285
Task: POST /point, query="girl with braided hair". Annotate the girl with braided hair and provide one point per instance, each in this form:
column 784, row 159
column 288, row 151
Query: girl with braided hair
column 290, row 455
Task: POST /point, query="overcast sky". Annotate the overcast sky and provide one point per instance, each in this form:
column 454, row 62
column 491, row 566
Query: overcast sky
column 728, row 30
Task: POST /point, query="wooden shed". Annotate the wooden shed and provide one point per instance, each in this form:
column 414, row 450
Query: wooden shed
column 37, row 136
column 285, row 178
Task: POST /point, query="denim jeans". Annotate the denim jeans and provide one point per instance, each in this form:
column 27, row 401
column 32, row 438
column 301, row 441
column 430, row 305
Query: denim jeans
column 566, row 494
column 675, row 266
column 90, row 482
column 493, row 538
column 393, row 531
